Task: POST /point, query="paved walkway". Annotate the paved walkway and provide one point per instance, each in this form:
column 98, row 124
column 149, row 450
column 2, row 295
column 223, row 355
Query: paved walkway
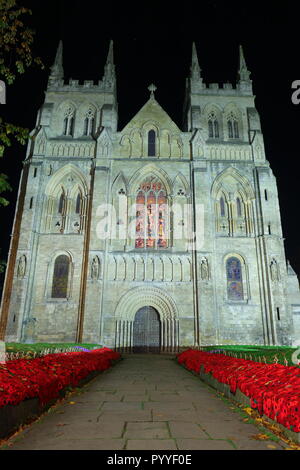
column 143, row 402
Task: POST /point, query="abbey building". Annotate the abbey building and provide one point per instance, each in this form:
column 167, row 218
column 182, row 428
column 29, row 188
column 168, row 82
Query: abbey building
column 148, row 237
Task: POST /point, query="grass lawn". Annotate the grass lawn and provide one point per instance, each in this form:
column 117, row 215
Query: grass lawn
column 36, row 348
column 257, row 353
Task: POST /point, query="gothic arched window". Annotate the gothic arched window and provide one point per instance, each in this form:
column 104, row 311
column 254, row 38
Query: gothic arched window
column 151, row 216
column 213, row 126
column 78, row 204
column 233, row 126
column 60, row 277
column 222, row 207
column 238, row 207
column 89, row 121
column 151, row 143
column 68, row 121
column 236, row 129
column 234, row 279
column 62, row 203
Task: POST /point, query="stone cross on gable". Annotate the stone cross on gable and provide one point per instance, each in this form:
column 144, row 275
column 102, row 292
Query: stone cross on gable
column 152, row 89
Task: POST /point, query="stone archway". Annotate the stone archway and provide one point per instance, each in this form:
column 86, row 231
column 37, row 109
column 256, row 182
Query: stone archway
column 150, row 297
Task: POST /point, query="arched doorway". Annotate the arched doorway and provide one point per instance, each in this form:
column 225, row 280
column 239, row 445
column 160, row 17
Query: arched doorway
column 146, row 331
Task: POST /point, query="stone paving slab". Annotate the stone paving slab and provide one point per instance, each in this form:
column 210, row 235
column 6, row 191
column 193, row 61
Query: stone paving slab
column 147, row 430
column 204, row 444
column 151, row 444
column 169, row 406
column 145, row 402
column 185, row 429
column 140, row 397
column 133, row 415
column 162, row 415
column 73, row 444
column 121, row 406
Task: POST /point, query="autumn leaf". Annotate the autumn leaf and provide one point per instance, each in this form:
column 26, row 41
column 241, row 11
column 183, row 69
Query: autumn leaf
column 260, row 437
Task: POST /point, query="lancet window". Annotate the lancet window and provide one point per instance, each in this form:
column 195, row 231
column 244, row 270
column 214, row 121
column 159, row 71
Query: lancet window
column 69, row 116
column 60, row 277
column 234, row 279
column 151, row 143
column 151, row 215
column 213, row 126
column 89, row 122
column 233, row 126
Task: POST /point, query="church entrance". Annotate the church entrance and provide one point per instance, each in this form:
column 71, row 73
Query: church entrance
column 146, row 331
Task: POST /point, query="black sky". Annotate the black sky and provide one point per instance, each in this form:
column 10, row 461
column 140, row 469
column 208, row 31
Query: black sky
column 152, row 43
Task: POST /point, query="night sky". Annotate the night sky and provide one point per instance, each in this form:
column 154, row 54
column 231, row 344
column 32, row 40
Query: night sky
column 153, row 43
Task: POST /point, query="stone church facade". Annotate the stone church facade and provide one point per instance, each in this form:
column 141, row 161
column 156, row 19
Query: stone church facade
column 150, row 237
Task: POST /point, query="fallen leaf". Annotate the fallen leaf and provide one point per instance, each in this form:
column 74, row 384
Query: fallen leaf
column 260, row 437
column 270, row 446
column 72, row 402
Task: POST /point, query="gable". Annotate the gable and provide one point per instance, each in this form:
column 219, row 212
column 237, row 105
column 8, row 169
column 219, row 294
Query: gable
column 133, row 139
column 153, row 112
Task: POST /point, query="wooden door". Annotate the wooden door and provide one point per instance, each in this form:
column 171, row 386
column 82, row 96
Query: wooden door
column 146, row 331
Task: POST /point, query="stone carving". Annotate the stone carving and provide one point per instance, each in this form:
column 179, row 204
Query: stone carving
column 204, row 269
column 156, row 268
column 49, row 170
column 95, row 268
column 274, row 270
column 21, row 266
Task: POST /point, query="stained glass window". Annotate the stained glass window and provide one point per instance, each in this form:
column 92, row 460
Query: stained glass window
column 162, row 215
column 234, row 279
column 151, row 216
column 140, row 220
column 60, row 277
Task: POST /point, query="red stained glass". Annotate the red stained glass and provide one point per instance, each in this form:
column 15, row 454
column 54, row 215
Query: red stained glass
column 162, row 212
column 151, row 219
column 140, row 220
column 151, row 216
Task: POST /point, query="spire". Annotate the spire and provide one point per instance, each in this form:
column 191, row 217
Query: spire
column 195, row 68
column 57, row 71
column 109, row 69
column 110, row 55
column 243, row 73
